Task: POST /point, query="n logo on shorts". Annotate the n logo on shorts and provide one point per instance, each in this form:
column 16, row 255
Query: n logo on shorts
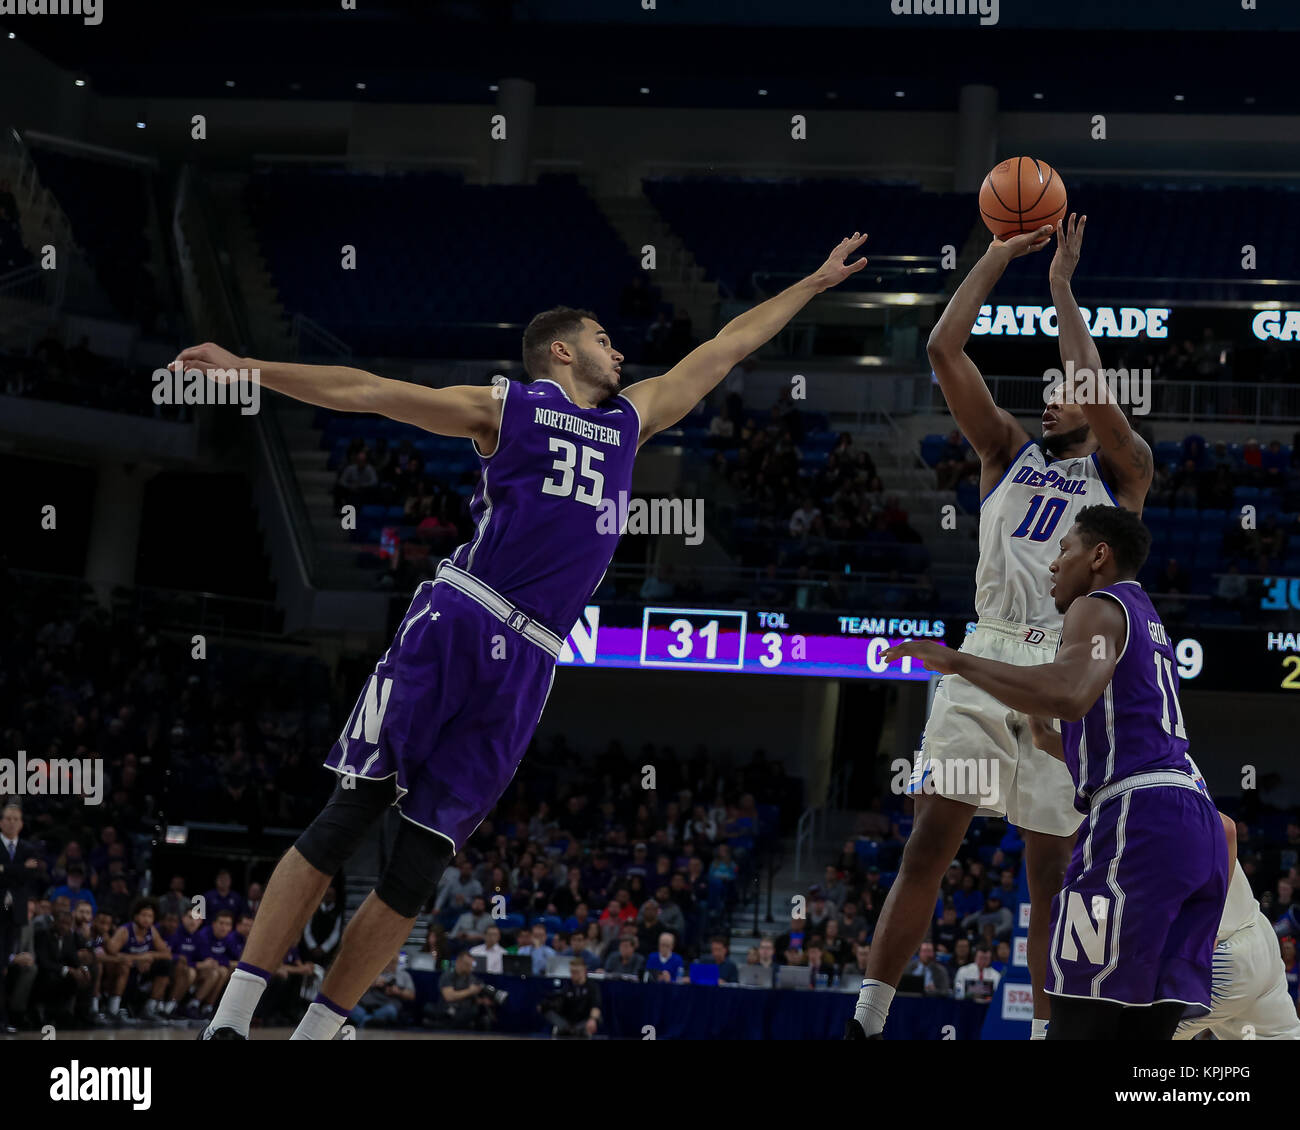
column 371, row 708
column 1088, row 926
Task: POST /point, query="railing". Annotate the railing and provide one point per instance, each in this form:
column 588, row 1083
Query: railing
column 312, row 341
column 214, row 615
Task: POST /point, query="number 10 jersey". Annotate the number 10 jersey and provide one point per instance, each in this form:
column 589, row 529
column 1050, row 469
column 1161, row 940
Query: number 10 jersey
column 1022, row 521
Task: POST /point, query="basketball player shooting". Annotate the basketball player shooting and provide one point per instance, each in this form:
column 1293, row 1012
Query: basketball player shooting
column 1087, row 454
column 442, row 724
column 1133, row 928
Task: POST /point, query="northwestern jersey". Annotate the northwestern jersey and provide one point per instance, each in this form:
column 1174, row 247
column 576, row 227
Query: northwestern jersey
column 1022, row 521
column 135, row 943
column 191, row 946
column 1136, row 726
column 225, row 950
column 551, row 501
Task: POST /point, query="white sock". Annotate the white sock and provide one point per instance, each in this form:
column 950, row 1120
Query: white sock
column 874, row 999
column 168, row 1008
column 320, row 1022
column 151, row 1007
column 1039, row 1031
column 114, row 1005
column 238, row 1002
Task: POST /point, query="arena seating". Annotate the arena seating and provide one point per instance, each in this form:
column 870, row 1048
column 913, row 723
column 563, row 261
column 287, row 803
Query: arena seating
column 443, row 268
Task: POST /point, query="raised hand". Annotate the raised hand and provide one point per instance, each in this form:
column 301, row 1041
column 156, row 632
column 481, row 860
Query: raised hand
column 834, row 271
column 1069, row 242
column 1024, row 243
column 208, row 357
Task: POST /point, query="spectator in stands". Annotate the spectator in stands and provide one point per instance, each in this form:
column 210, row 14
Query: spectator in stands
column 490, row 950
column 465, row 1001
column 357, row 482
column 75, row 888
column 1002, row 957
column 663, row 964
column 947, row 930
column 460, row 893
column 792, row 942
column 671, row 916
column 575, row 1010
column 722, row 432
column 626, row 961
column 471, row 927
column 934, row 977
column 222, row 897
column 955, row 460
column 174, row 901
column 719, row 955
column 1232, row 589
column 852, row 972
column 324, row 930
column 852, row 925
column 994, row 913
column 382, row 1002
column 537, row 949
column 801, row 520
column 650, row 925
column 977, row 980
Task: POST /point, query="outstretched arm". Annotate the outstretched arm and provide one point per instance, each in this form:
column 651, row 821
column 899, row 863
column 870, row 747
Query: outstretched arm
column 992, row 431
column 662, row 401
column 468, row 411
column 1124, row 454
column 1092, row 638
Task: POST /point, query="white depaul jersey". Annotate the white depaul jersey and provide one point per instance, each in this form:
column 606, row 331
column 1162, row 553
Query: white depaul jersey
column 1241, row 908
column 1022, row 521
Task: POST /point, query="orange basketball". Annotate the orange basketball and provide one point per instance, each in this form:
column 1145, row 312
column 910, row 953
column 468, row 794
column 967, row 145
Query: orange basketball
column 1020, row 195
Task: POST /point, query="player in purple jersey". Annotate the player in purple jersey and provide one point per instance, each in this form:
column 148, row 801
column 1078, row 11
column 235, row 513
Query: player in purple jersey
column 148, row 958
column 1134, row 925
column 440, row 727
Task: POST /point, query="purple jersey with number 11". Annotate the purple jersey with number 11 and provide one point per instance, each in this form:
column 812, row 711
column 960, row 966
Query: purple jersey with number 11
column 1136, row 726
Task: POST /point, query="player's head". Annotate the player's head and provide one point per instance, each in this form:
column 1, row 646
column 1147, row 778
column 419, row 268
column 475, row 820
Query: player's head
column 564, row 342
column 1064, row 425
column 1106, row 544
column 144, row 912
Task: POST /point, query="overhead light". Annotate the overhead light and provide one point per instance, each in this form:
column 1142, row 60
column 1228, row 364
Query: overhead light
column 12, row 36
column 762, row 92
column 230, row 82
column 645, row 90
column 79, row 82
column 494, row 88
column 140, row 124
column 1179, row 98
column 899, row 94
column 361, row 86
column 1038, row 95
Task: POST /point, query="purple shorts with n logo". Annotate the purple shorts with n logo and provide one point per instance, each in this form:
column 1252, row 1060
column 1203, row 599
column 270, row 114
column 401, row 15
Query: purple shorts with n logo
column 449, row 711
column 1136, row 919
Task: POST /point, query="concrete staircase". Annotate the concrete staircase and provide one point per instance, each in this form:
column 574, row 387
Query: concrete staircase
column 268, row 323
column 676, row 273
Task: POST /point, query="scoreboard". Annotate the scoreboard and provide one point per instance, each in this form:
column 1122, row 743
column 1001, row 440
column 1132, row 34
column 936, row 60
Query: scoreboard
column 826, row 645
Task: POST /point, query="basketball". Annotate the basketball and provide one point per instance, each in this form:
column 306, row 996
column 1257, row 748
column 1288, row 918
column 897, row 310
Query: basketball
column 1020, row 195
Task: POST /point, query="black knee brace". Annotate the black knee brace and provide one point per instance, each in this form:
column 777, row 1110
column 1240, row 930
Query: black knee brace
column 337, row 832
column 419, row 858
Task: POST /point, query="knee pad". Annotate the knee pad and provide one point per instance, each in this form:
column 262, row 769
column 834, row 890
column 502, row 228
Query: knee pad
column 339, row 828
column 419, row 858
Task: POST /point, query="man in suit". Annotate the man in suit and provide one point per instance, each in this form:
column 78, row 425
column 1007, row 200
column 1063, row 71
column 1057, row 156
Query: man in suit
column 64, row 977
column 21, row 872
column 934, row 977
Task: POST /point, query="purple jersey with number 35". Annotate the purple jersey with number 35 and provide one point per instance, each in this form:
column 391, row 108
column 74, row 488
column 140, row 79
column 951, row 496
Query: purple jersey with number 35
column 548, row 510
column 1136, row 726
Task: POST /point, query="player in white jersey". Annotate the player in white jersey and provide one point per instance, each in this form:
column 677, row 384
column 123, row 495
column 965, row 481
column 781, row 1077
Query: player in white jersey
column 1248, row 996
column 976, row 755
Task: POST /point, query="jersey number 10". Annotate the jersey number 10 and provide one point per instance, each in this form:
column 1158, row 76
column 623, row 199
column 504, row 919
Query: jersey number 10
column 1047, row 521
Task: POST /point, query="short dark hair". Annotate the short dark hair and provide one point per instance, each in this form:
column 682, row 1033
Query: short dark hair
column 224, row 914
column 144, row 904
column 548, row 326
column 1122, row 530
